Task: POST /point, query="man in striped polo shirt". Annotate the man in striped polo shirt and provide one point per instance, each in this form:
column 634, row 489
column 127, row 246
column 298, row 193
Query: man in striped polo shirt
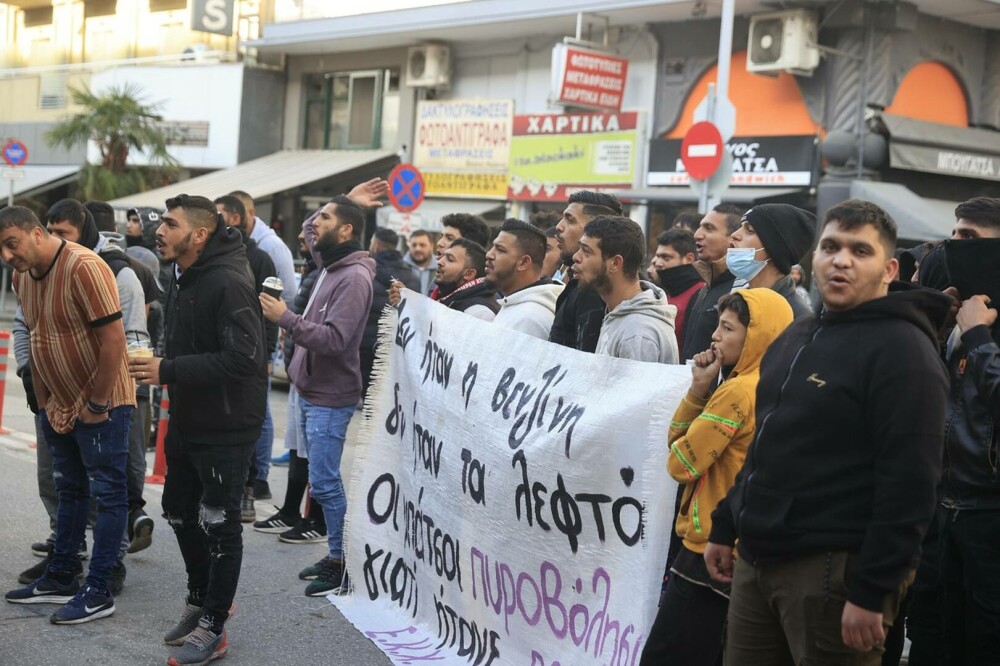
column 85, row 398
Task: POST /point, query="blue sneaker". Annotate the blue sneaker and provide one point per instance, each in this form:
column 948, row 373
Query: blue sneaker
column 281, row 460
column 44, row 590
column 87, row 605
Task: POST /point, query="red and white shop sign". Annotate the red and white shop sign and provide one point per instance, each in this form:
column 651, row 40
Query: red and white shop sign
column 586, row 78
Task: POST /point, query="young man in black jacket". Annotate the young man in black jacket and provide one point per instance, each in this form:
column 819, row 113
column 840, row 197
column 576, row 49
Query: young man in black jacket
column 234, row 214
column 839, row 483
column 579, row 312
column 216, row 365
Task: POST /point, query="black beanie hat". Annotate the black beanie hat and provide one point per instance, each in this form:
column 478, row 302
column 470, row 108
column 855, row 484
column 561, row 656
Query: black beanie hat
column 785, row 231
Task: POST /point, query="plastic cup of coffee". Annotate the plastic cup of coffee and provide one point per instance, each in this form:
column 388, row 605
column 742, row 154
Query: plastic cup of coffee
column 273, row 286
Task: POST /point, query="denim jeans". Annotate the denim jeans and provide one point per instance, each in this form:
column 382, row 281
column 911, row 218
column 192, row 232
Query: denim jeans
column 265, row 443
column 90, row 459
column 323, row 430
column 201, row 501
column 138, row 436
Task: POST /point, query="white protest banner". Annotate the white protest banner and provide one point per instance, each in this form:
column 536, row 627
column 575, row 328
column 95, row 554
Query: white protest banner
column 510, row 502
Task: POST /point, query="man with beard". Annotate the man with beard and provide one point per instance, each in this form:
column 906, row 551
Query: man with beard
column 675, row 272
column 325, row 368
column 639, row 323
column 514, row 269
column 421, row 259
column 70, row 220
column 839, row 483
column 712, row 242
column 262, row 267
column 461, row 281
column 85, row 398
column 216, row 366
column 579, row 313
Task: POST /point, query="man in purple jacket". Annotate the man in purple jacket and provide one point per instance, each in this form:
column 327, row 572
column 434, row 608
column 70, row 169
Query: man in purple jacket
column 325, row 368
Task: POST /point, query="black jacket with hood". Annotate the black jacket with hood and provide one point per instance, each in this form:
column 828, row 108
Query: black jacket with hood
column 578, row 319
column 847, row 453
column 481, row 293
column 703, row 314
column 216, row 361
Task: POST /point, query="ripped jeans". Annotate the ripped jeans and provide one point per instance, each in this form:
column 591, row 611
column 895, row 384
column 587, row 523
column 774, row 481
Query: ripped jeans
column 201, row 501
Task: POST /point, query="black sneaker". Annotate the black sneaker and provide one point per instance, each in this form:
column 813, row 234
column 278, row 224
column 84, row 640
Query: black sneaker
column 201, row 646
column 140, row 531
column 277, row 523
column 32, row 574
column 307, row 531
column 247, row 512
column 116, row 582
column 45, row 590
column 331, row 579
column 87, row 605
column 41, row 548
column 311, row 572
column 261, row 490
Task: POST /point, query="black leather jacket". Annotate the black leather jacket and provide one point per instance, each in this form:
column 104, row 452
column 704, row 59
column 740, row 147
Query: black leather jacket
column 970, row 478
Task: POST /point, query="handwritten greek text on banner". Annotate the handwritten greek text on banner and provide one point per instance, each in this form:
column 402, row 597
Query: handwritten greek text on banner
column 510, row 502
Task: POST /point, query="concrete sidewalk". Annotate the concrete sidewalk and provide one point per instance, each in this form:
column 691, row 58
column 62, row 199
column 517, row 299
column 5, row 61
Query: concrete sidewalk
column 274, row 623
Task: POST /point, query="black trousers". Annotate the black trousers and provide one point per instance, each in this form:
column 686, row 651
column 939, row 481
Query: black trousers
column 970, row 585
column 924, row 617
column 201, row 501
column 688, row 627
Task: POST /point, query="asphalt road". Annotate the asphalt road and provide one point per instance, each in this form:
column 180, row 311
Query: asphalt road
column 274, row 623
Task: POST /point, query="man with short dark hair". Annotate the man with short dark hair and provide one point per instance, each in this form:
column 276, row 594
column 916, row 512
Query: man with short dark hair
column 639, row 323
column 954, row 618
column 216, row 365
column 389, row 265
column 977, row 218
column 70, row 220
column 711, row 241
column 462, row 225
column 839, row 483
column 676, row 274
column 579, row 313
column 262, row 267
column 421, row 259
column 689, row 220
column 85, row 398
column 514, row 269
column 553, row 257
column 325, row 368
column 770, row 240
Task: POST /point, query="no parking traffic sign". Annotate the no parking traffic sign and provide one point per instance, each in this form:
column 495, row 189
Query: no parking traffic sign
column 14, row 152
column 406, row 188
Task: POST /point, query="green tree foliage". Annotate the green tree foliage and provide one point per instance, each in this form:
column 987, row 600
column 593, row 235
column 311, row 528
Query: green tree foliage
column 118, row 121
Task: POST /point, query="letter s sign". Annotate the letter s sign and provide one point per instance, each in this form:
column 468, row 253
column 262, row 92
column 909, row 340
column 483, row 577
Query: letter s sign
column 215, row 16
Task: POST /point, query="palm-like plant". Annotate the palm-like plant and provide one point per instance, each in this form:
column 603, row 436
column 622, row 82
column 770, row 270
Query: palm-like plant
column 118, row 121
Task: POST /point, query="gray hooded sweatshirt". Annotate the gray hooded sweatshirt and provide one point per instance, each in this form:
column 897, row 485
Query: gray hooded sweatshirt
column 641, row 328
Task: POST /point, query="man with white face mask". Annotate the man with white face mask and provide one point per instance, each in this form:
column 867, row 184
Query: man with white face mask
column 770, row 240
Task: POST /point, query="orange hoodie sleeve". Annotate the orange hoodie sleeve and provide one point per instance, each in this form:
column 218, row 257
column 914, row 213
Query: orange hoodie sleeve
column 701, row 429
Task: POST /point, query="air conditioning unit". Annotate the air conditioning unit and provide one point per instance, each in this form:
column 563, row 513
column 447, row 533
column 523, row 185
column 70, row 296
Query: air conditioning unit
column 783, row 41
column 428, row 66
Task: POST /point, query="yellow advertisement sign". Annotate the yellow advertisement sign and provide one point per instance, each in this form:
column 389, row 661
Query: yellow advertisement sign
column 455, row 184
column 551, row 153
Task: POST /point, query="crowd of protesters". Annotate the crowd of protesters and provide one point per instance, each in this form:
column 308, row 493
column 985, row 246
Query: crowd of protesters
column 836, row 451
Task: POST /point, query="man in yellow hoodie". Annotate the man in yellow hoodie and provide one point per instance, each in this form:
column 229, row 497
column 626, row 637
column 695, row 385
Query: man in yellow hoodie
column 709, row 437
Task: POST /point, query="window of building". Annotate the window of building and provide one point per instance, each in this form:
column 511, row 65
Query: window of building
column 166, row 5
column 351, row 110
column 37, row 16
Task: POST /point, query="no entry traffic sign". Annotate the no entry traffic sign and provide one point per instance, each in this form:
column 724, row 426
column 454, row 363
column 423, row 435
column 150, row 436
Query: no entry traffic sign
column 701, row 150
column 406, row 188
column 14, row 152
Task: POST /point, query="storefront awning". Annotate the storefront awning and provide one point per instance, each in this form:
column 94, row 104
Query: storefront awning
column 39, row 179
column 918, row 145
column 917, row 218
column 428, row 215
column 265, row 176
column 736, row 195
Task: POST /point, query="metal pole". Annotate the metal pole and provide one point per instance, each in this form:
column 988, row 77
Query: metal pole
column 3, row 290
column 10, row 194
column 725, row 51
